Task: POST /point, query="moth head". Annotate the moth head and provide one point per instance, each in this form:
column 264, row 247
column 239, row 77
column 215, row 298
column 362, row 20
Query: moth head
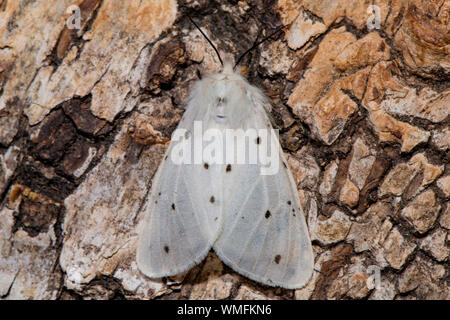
column 226, row 94
column 228, row 98
column 227, row 68
column 227, row 72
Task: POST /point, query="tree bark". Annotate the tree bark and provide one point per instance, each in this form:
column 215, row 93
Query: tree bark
column 91, row 90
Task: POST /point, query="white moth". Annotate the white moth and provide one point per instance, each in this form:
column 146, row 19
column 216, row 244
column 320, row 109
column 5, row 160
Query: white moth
column 253, row 222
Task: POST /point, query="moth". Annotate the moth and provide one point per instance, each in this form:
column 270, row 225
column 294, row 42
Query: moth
column 253, row 221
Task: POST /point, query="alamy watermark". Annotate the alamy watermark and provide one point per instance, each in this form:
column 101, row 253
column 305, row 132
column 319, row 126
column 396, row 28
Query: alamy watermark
column 227, row 146
column 374, row 21
column 74, row 21
column 374, row 279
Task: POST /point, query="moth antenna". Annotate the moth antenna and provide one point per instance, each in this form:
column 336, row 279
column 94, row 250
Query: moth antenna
column 257, row 44
column 210, row 42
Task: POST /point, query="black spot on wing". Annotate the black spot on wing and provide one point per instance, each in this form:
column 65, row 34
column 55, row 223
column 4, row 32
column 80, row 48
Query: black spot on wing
column 166, row 249
column 267, row 215
column 212, row 199
column 289, row 202
column 258, row 140
column 228, row 168
column 173, row 206
column 277, row 259
column 206, row 166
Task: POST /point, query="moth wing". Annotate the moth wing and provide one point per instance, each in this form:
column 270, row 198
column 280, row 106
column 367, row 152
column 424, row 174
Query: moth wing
column 265, row 236
column 182, row 215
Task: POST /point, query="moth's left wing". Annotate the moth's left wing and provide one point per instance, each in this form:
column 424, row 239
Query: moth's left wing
column 182, row 215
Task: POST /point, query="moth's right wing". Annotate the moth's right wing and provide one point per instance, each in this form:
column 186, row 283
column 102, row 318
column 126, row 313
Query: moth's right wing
column 265, row 236
column 182, row 215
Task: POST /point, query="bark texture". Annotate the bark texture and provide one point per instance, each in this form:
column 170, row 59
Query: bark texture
column 86, row 113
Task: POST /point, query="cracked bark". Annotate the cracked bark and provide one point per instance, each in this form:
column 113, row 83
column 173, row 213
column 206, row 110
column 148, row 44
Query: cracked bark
column 85, row 116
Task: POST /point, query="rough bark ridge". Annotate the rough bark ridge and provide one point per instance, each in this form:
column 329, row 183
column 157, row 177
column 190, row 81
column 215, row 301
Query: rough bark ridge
column 363, row 111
